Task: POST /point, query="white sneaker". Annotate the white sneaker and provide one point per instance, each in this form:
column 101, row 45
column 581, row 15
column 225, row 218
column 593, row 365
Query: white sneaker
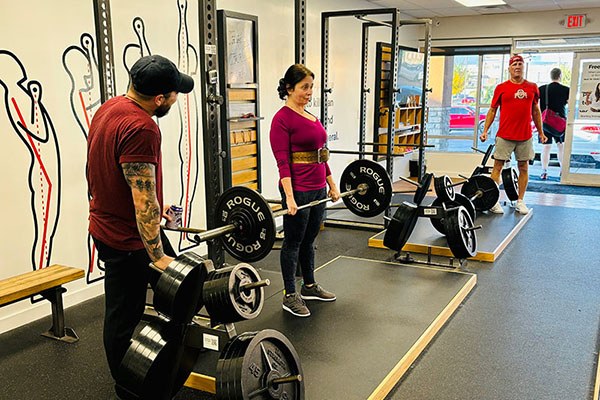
column 497, row 209
column 521, row 208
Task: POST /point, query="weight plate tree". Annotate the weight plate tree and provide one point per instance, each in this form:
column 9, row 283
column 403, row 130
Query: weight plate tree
column 444, row 188
column 259, row 365
column 157, row 362
column 178, row 292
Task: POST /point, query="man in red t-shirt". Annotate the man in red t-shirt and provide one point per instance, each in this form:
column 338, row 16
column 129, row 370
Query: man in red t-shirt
column 518, row 100
column 124, row 174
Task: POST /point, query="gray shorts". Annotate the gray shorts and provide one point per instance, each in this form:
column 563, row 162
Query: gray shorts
column 504, row 148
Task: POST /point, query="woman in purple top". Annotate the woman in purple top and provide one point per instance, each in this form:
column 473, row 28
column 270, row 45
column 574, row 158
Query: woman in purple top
column 298, row 140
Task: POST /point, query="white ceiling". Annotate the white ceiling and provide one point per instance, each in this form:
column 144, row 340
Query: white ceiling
column 450, row 8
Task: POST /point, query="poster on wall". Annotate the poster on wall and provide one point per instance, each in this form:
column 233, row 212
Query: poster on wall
column 590, row 91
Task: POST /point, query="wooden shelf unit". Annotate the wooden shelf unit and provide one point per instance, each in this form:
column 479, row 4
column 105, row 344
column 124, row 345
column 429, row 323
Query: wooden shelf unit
column 407, row 127
column 240, row 113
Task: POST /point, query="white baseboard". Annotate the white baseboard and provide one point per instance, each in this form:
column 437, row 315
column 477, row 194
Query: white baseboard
column 23, row 312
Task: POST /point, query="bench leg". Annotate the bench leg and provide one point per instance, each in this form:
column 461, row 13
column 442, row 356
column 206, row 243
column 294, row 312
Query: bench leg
column 58, row 330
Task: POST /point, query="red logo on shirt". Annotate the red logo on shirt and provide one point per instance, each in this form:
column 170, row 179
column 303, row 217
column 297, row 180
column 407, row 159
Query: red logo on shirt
column 521, row 94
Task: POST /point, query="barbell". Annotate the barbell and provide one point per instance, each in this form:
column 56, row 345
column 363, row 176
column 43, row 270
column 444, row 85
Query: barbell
column 510, row 177
column 455, row 220
column 479, row 192
column 246, row 223
column 482, row 190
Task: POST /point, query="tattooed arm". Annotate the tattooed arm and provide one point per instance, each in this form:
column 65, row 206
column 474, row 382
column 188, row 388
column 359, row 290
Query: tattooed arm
column 141, row 178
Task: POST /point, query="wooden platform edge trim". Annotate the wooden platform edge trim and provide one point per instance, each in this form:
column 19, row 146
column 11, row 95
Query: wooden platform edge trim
column 328, row 262
column 201, row 382
column 512, row 233
column 335, row 223
column 596, row 394
column 394, row 376
column 376, row 243
column 396, row 263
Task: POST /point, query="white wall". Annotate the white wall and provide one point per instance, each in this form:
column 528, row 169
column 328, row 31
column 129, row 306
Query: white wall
column 54, row 148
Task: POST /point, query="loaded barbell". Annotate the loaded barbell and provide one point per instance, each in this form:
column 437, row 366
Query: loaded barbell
column 482, row 190
column 457, row 222
column 479, row 192
column 246, row 223
column 509, row 175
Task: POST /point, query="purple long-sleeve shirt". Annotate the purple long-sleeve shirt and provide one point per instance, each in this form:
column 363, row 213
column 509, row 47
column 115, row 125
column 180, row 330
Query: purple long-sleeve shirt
column 291, row 132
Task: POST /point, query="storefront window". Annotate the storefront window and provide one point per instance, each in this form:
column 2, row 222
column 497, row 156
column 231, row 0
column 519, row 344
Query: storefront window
column 463, row 86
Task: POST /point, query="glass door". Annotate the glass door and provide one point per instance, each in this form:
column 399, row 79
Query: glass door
column 582, row 142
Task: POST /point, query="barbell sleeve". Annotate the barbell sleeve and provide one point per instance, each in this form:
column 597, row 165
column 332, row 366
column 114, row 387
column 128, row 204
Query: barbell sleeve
column 183, row 229
column 286, row 379
column 255, row 285
column 215, row 233
column 154, row 267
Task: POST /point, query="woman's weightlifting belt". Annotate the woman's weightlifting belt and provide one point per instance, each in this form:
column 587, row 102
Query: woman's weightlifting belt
column 310, row 157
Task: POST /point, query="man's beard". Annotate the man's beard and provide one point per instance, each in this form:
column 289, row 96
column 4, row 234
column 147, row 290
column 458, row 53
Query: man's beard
column 162, row 110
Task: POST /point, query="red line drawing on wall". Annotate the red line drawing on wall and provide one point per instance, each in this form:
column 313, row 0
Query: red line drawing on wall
column 32, row 123
column 81, row 66
column 188, row 133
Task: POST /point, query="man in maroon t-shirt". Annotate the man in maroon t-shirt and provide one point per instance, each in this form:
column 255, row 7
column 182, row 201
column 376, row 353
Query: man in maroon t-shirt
column 518, row 100
column 124, row 174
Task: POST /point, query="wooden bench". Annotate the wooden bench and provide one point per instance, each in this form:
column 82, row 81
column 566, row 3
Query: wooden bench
column 48, row 283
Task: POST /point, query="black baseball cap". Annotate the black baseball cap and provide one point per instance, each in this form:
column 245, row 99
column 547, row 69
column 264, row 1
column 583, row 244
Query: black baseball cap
column 154, row 75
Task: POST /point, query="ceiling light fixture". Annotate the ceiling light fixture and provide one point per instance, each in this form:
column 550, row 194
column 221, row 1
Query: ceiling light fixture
column 480, row 3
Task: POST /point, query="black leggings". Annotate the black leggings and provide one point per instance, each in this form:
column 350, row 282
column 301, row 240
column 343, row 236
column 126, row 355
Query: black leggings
column 300, row 232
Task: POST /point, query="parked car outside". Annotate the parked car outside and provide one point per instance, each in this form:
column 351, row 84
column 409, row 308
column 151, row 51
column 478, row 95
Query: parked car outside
column 463, row 117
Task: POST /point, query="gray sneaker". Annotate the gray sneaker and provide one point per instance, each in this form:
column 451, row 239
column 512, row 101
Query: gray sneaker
column 316, row 292
column 295, row 305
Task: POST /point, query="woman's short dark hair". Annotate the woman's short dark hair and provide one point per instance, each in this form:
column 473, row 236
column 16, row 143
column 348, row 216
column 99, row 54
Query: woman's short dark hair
column 293, row 75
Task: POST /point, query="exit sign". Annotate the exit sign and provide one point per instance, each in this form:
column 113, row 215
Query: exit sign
column 575, row 21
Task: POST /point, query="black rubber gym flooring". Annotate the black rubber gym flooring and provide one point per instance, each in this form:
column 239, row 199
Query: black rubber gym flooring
column 363, row 334
column 529, row 329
